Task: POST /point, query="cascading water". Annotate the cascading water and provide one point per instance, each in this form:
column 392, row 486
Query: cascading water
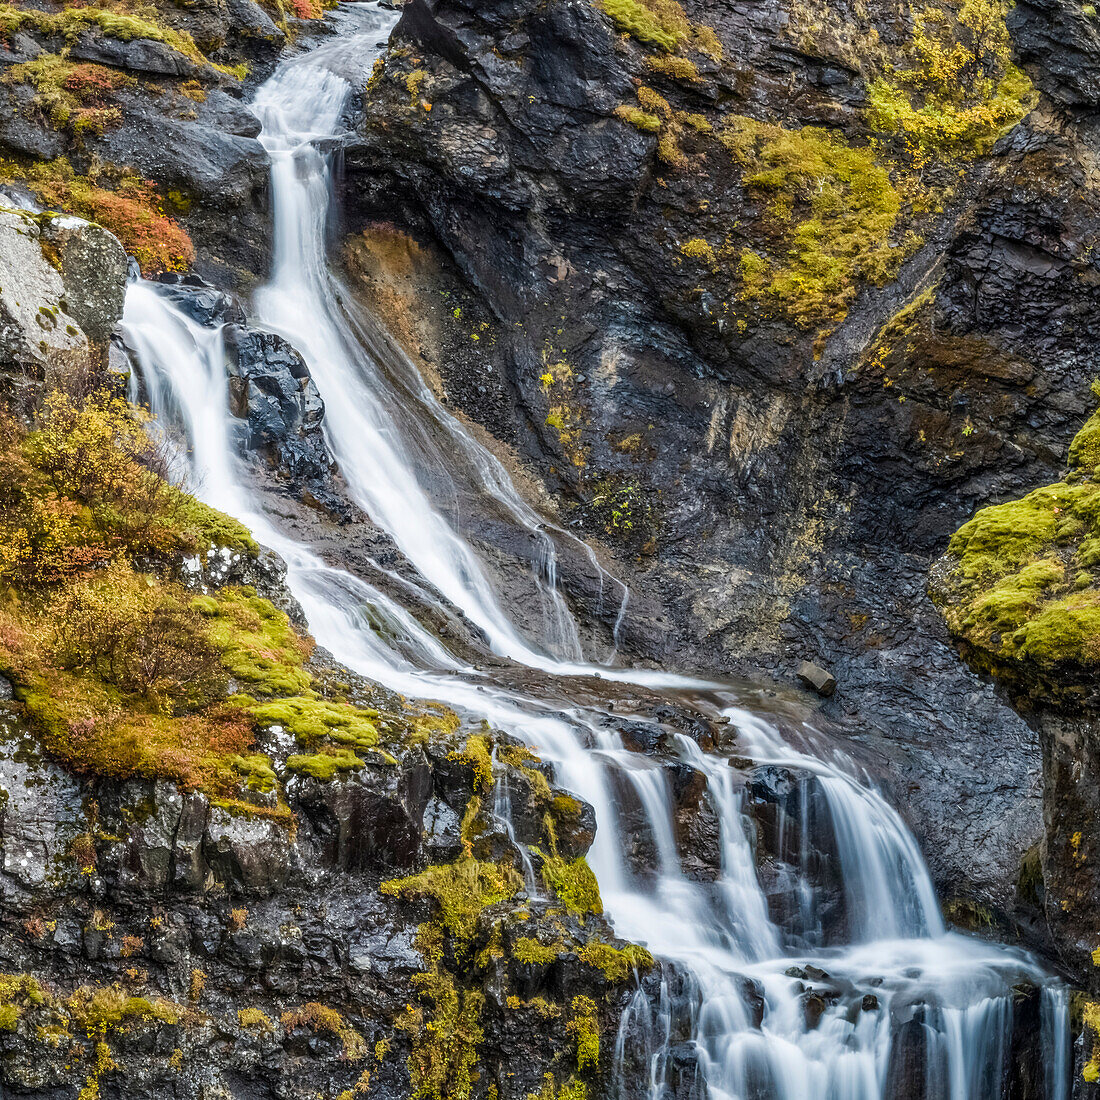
column 792, row 1009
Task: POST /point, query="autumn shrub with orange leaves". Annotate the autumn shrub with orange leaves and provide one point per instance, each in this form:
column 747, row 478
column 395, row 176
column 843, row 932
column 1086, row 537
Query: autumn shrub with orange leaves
column 121, row 201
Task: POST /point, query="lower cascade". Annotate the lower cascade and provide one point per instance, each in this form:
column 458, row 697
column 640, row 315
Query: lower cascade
column 831, row 976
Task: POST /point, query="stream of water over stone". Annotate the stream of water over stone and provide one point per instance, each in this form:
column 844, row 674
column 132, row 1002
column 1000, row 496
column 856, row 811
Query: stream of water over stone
column 852, row 988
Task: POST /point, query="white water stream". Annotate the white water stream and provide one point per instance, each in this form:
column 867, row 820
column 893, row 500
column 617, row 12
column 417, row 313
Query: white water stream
column 413, row 468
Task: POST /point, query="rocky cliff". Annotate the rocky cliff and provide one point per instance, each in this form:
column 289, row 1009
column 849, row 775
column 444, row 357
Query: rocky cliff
column 765, row 298
column 770, row 297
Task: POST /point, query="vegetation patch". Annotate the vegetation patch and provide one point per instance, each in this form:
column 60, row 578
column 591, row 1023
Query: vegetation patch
column 321, row 1018
column 112, row 20
column 119, row 200
column 462, row 891
column 831, row 211
column 573, row 883
column 662, row 25
column 1021, row 588
column 960, row 90
column 74, row 97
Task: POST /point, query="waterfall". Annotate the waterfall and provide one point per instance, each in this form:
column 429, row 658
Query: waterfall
column 816, row 1006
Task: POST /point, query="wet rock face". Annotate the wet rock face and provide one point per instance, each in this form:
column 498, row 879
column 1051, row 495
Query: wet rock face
column 785, row 500
column 271, row 393
column 796, row 855
column 62, row 284
column 270, row 387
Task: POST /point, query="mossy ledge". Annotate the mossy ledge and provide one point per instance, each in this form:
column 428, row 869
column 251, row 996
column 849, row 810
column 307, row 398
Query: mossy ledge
column 1019, row 586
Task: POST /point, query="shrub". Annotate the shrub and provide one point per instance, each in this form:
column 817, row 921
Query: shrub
column 962, row 89
column 131, row 209
column 144, row 639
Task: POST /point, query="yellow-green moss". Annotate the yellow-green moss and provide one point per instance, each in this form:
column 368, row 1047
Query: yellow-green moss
column 584, row 1026
column 661, row 26
column 253, row 1018
column 1021, row 587
column 675, row 68
column 832, row 211
column 639, row 119
column 616, row 964
column 324, row 765
column 313, row 720
column 698, row 249
column 573, row 882
column 961, row 90
column 478, row 755
column 565, row 1090
column 530, row 951
column 258, row 644
column 445, row 1027
column 462, row 891
column 71, row 22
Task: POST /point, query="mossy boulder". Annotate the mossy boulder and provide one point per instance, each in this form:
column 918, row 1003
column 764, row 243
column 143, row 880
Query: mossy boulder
column 1019, row 586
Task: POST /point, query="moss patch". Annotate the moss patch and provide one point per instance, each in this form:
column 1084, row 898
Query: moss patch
column 461, row 890
column 1021, row 583
column 832, row 212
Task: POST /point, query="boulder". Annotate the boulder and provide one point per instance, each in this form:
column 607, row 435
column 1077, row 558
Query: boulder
column 57, row 275
column 93, row 269
column 204, row 303
column 139, row 55
column 270, row 387
column 817, row 679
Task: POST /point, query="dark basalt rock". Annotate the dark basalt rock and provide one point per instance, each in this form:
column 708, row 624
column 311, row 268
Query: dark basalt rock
column 372, row 820
column 795, row 495
column 139, row 55
column 795, row 848
column 270, row 388
column 204, row 303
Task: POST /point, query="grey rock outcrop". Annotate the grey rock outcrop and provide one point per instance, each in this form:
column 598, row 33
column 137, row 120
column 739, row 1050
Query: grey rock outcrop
column 62, row 285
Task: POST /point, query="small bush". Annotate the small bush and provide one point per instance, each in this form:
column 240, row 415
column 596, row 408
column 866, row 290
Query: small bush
column 130, row 208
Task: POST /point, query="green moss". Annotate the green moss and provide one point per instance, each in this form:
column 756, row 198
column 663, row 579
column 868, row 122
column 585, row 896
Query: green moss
column 1084, row 450
column 698, row 249
column 208, row 528
column 71, row 22
column 640, row 120
column 531, row 952
column 573, row 882
column 445, row 1028
column 832, row 211
column 1003, row 537
column 566, row 1090
column 944, row 127
column 312, row 721
column 258, row 645
column 616, row 964
column 654, row 28
column 461, row 890
column 584, row 1026
column 477, row 755
column 325, row 765
column 675, row 68
column 1021, row 590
